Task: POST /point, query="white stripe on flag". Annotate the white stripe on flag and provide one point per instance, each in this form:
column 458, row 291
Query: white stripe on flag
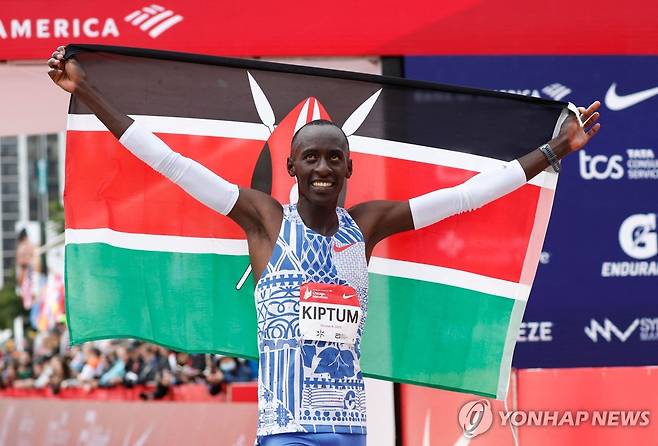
column 448, row 276
column 378, row 265
column 162, row 243
column 185, row 126
column 358, row 144
column 437, row 156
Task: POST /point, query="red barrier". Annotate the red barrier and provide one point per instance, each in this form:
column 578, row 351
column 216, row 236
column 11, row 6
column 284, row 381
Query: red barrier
column 236, row 392
column 242, row 392
column 429, row 417
column 605, row 390
column 616, row 406
column 60, row 422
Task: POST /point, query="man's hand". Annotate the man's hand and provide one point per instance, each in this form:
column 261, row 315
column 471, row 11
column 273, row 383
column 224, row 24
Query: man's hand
column 573, row 135
column 71, row 77
column 67, row 74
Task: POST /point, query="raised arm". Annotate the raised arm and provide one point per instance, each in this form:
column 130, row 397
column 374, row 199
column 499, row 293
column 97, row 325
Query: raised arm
column 257, row 213
column 380, row 219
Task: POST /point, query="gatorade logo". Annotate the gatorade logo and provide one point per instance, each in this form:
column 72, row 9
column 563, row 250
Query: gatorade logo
column 639, row 240
column 637, row 236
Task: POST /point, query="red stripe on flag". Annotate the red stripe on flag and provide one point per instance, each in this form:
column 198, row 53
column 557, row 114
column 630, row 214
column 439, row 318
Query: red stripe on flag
column 108, row 187
column 309, row 112
column 491, row 241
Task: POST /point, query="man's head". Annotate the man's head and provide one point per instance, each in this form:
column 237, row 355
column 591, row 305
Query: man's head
column 320, row 160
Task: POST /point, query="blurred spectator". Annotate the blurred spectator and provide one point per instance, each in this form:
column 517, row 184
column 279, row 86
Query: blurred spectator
column 24, row 258
column 214, row 376
column 24, row 368
column 163, row 383
column 234, row 370
column 116, row 373
column 63, row 334
column 52, row 375
column 90, row 370
column 49, row 362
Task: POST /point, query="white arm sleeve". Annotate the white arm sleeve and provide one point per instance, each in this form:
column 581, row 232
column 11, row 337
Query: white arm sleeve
column 476, row 192
column 194, row 178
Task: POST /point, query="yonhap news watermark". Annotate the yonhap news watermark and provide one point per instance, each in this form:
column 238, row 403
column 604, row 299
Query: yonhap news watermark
column 476, row 417
column 518, row 418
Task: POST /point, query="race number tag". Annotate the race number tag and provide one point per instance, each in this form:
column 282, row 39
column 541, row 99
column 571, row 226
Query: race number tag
column 328, row 312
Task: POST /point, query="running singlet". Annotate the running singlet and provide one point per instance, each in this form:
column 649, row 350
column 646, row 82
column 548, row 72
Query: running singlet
column 307, row 385
column 314, row 440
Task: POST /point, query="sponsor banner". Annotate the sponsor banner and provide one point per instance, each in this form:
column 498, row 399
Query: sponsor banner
column 31, row 29
column 64, row 422
column 618, row 404
column 594, row 299
column 583, row 406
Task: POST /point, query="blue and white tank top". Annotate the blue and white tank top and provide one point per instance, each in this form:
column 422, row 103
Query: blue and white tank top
column 304, row 385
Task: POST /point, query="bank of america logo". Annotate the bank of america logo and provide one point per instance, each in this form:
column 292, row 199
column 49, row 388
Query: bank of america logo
column 556, row 91
column 155, row 19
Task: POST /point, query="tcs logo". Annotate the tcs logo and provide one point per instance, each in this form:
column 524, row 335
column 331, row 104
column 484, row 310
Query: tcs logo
column 600, row 167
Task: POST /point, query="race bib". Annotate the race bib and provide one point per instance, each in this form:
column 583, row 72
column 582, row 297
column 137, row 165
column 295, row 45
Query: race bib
column 328, row 312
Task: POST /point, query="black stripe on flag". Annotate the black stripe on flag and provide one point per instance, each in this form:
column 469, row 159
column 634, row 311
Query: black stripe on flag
column 160, row 83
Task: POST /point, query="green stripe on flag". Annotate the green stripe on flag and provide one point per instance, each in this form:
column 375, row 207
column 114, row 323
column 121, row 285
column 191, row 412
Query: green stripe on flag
column 416, row 332
column 424, row 332
column 183, row 301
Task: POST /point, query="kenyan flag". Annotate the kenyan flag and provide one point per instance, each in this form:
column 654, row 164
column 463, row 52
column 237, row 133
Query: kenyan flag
column 145, row 260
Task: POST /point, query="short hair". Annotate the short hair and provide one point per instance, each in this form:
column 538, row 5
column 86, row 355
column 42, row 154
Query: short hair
column 314, row 123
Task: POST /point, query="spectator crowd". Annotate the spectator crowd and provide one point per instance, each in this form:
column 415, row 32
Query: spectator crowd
column 47, row 361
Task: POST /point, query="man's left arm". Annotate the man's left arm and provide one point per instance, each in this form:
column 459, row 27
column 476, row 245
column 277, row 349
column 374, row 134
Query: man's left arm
column 382, row 218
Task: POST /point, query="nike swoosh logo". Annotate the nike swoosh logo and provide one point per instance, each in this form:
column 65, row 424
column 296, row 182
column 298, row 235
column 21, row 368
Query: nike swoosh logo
column 615, row 102
column 342, row 248
column 348, row 296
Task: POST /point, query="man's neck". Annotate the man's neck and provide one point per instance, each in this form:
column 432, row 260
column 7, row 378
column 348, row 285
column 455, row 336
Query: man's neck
column 321, row 218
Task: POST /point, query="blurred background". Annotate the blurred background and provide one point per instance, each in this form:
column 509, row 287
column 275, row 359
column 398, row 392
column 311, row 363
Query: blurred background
column 589, row 340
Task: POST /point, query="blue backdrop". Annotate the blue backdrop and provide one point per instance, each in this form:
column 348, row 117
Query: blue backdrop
column 595, row 297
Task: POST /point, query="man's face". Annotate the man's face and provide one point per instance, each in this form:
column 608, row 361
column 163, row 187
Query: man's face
column 320, row 161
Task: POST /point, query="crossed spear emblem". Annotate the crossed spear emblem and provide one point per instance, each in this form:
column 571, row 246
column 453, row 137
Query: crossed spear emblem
column 267, row 118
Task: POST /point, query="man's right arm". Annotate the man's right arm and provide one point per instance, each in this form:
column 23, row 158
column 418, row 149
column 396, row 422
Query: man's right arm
column 257, row 213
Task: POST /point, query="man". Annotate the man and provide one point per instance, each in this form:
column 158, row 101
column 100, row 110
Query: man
column 24, row 265
column 310, row 258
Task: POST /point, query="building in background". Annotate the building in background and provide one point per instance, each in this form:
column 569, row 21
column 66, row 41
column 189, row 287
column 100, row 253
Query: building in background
column 31, row 177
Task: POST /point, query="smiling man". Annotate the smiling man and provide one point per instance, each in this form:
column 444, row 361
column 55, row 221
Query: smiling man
column 310, row 258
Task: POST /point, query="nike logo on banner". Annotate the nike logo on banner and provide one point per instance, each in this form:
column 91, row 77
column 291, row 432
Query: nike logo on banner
column 615, row 102
column 341, row 248
column 348, row 296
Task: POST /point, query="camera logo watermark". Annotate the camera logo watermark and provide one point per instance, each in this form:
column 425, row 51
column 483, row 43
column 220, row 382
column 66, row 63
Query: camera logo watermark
column 475, row 418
